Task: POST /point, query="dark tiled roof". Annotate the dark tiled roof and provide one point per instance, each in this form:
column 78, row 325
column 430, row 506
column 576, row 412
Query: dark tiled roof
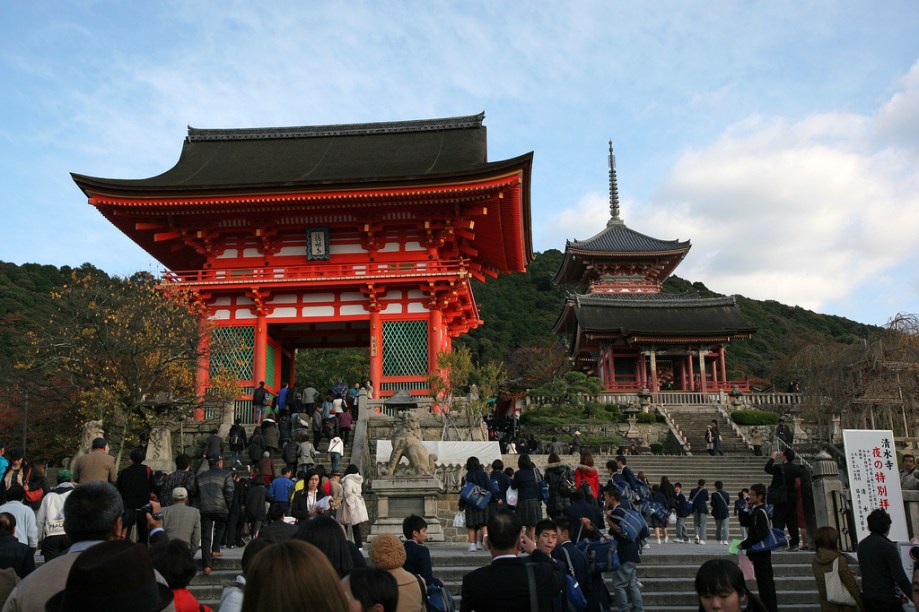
column 261, row 158
column 656, row 315
column 617, row 238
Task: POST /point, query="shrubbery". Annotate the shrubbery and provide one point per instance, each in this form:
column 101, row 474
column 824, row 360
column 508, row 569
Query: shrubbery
column 566, row 415
column 755, row 417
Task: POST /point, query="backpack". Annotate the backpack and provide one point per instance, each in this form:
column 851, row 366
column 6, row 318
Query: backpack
column 541, row 485
column 625, row 491
column 633, row 526
column 494, row 486
column 290, row 452
column 436, row 598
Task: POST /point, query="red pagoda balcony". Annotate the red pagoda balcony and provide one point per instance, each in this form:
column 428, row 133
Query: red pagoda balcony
column 325, row 274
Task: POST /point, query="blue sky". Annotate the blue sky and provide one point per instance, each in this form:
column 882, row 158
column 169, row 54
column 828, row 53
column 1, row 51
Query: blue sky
column 782, row 138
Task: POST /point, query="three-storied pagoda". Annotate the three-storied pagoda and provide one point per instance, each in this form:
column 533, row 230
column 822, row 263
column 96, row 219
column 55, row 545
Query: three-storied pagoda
column 332, row 236
column 625, row 330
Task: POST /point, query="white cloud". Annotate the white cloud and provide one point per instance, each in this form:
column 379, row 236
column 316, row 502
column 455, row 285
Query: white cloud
column 805, row 211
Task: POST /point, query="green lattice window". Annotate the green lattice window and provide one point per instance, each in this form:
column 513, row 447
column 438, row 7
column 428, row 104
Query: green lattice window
column 405, row 348
column 270, row 353
column 232, row 349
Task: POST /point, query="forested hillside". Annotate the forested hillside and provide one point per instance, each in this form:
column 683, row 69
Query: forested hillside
column 519, row 310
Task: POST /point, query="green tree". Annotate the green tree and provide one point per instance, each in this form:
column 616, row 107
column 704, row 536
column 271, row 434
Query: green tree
column 122, row 351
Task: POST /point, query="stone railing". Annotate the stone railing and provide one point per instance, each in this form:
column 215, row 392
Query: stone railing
column 675, row 431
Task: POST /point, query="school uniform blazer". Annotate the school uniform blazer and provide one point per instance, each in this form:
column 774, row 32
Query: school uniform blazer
column 418, row 562
column 503, row 585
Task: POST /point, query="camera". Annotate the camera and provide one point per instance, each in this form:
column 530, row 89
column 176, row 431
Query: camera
column 914, row 553
column 148, row 509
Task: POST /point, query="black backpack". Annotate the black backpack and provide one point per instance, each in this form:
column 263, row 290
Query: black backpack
column 289, row 453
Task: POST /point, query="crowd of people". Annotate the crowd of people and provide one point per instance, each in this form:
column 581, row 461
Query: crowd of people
column 134, row 533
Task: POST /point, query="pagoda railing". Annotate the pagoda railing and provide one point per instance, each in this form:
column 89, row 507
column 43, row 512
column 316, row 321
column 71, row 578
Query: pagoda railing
column 324, row 273
column 677, row 398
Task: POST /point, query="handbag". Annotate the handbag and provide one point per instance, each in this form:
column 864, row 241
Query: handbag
column 775, row 538
column 475, row 495
column 512, row 496
column 836, row 591
column 671, row 519
column 573, row 592
column 459, row 520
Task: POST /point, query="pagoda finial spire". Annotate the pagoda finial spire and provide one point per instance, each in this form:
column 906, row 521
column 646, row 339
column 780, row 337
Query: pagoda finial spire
column 613, row 189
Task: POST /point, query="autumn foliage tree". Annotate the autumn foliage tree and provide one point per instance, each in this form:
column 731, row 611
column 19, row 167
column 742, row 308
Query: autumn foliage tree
column 452, row 386
column 122, row 351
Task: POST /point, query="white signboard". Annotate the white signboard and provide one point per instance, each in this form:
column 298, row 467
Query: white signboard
column 874, row 479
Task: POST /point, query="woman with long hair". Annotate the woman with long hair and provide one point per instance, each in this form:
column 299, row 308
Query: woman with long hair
column 720, row 586
column 329, row 537
column 293, row 575
column 307, row 502
column 826, row 540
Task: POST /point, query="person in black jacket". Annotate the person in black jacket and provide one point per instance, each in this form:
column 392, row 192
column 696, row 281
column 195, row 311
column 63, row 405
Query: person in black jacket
column 783, row 494
column 699, row 499
column 256, row 448
column 256, row 496
column 417, row 556
column 135, row 483
column 880, row 566
column 215, row 491
column 757, row 523
column 238, row 442
column 503, row 585
column 13, row 553
column 237, row 513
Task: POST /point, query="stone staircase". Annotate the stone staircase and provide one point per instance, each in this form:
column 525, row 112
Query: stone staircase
column 693, row 419
column 667, row 575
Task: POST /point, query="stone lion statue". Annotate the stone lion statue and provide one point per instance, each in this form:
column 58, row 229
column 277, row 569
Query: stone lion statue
column 406, row 442
column 91, row 431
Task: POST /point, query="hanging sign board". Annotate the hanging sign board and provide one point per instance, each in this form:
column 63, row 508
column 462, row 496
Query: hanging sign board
column 874, row 480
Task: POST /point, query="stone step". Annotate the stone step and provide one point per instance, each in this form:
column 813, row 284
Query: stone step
column 666, row 571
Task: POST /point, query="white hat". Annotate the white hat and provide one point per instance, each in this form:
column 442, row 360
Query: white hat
column 577, row 433
column 179, row 493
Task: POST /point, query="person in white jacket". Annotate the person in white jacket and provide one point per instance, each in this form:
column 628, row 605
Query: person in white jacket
column 353, row 511
column 336, row 448
column 50, row 518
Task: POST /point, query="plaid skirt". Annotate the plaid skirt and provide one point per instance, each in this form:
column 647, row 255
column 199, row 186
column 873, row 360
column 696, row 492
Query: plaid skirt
column 475, row 517
column 529, row 511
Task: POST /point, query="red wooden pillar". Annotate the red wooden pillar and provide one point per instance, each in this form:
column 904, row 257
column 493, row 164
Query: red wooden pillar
column 721, row 359
column 202, row 373
column 692, row 375
column 652, row 354
column 259, row 363
column 702, row 385
column 435, row 337
column 292, row 373
column 376, row 352
column 612, row 367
